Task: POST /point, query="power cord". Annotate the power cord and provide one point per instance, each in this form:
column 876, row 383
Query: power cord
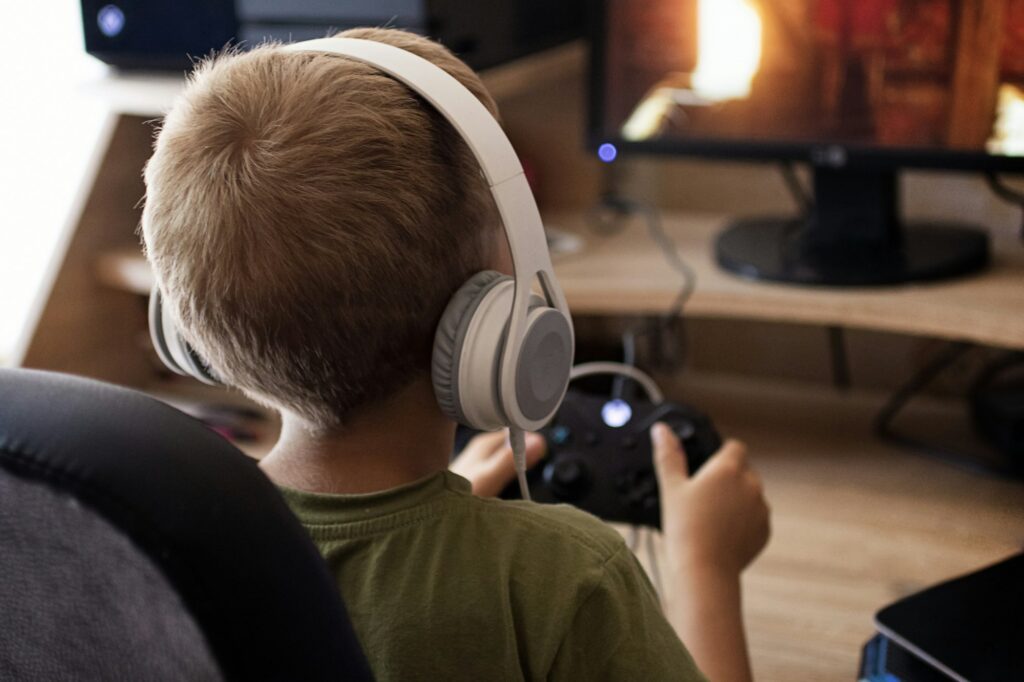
column 1008, row 194
column 608, row 216
column 801, row 197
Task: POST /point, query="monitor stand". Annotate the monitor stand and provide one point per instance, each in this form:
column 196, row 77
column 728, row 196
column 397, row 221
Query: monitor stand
column 852, row 237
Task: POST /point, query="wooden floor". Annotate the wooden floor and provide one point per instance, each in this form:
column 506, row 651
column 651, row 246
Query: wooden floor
column 856, row 523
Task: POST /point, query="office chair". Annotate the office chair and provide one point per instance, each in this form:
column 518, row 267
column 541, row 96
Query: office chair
column 137, row 544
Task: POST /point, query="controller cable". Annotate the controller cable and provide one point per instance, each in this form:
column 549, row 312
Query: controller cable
column 587, row 369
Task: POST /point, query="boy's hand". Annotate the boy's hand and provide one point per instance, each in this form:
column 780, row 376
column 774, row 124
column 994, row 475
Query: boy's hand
column 486, row 461
column 718, row 519
column 714, row 525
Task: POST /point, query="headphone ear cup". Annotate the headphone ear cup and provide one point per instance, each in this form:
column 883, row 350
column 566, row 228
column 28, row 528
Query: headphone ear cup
column 158, row 333
column 543, row 363
column 449, row 342
column 173, row 350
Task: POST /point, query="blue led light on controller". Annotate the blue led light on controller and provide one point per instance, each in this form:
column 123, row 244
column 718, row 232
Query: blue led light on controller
column 607, row 152
column 111, row 20
column 616, row 413
column 560, row 435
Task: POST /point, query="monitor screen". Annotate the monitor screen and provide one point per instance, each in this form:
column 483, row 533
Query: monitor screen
column 935, row 83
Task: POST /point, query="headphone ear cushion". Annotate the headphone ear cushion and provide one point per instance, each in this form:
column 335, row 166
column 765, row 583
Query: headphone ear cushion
column 449, row 338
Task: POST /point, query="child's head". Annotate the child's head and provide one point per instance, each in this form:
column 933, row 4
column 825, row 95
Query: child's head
column 308, row 218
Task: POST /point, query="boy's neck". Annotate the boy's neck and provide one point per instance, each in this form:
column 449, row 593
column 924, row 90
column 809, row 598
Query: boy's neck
column 399, row 441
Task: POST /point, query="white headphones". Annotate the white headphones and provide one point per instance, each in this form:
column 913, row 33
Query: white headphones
column 502, row 355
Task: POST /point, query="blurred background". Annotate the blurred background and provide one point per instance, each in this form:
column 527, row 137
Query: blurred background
column 49, row 124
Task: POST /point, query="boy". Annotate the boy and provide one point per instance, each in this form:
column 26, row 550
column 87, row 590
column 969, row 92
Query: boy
column 308, row 219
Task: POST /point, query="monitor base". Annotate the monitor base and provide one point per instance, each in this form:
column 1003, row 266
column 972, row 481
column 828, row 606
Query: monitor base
column 778, row 250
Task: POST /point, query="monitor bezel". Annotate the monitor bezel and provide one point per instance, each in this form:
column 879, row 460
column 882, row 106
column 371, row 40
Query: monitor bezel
column 829, row 154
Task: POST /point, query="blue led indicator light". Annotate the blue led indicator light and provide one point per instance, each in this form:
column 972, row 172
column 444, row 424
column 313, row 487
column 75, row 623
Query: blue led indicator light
column 607, row 152
column 110, row 19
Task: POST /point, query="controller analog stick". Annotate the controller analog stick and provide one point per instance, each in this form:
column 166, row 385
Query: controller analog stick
column 686, row 431
column 567, row 478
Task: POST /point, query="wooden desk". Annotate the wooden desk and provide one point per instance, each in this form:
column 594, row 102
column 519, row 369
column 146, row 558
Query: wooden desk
column 626, row 274
column 856, row 524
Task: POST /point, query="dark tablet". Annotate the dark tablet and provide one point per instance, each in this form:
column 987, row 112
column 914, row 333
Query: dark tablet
column 970, row 628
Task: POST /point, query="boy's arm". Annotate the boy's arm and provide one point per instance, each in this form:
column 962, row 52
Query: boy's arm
column 714, row 525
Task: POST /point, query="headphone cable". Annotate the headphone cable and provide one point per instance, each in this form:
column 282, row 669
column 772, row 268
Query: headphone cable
column 517, row 440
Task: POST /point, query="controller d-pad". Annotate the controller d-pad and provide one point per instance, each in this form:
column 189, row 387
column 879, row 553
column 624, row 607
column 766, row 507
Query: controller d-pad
column 566, row 477
column 638, row 488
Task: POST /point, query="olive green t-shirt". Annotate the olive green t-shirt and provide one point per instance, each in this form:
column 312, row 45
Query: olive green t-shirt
column 443, row 585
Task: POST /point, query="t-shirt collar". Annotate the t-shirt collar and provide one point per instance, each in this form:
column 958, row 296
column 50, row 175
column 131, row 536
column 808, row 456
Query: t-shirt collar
column 312, row 508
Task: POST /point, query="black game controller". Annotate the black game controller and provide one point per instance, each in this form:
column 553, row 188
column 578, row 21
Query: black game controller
column 599, row 456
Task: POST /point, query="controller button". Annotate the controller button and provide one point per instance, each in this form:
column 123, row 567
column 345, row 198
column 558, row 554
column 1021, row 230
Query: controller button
column 560, row 435
column 629, row 443
column 686, row 430
column 633, row 500
column 590, row 438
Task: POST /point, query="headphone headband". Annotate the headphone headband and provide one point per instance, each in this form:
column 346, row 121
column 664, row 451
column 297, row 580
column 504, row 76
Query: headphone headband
column 501, row 168
column 463, row 110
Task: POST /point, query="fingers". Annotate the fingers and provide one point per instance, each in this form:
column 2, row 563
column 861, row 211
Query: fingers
column 487, row 461
column 730, row 460
column 536, row 448
column 482, row 446
column 669, row 457
column 734, row 453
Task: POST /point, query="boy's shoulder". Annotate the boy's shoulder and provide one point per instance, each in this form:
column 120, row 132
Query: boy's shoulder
column 530, row 523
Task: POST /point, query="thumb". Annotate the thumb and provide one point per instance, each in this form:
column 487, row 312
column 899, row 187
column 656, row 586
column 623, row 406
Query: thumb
column 669, row 457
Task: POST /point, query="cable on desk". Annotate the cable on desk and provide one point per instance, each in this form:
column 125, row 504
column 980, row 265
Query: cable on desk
column 839, row 357
column 608, row 216
column 904, row 394
column 801, row 197
column 1008, row 194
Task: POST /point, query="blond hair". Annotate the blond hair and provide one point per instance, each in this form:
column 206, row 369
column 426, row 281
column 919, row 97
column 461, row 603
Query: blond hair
column 309, row 217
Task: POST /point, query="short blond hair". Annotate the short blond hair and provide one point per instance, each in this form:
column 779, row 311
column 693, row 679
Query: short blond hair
column 308, row 218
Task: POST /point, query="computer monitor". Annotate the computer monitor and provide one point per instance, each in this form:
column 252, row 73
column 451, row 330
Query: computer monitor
column 857, row 89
